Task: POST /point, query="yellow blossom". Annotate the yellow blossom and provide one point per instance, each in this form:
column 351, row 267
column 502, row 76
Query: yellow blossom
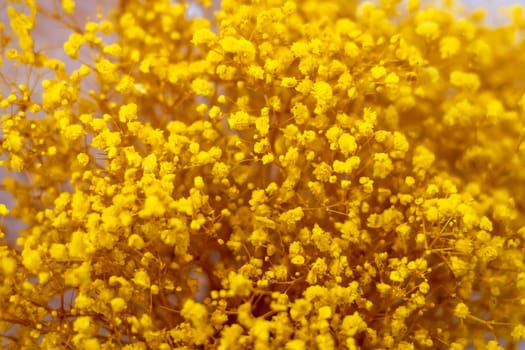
column 202, row 87
column 469, row 81
column 141, row 278
column 3, row 209
column 9, row 266
column 118, row 304
column 273, row 175
column 32, row 260
column 84, row 325
column 461, row 310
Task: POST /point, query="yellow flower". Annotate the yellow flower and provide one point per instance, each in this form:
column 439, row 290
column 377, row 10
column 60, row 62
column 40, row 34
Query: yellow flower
column 202, row 87
column 3, row 209
column 203, row 36
column 84, row 325
column 9, row 265
column 141, row 278
column 118, row 304
column 274, row 176
column 32, row 260
column 347, row 144
column 468, row 81
column 428, row 29
column 73, row 45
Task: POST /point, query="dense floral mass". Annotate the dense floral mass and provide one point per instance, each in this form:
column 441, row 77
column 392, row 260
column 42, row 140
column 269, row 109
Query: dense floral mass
column 293, row 174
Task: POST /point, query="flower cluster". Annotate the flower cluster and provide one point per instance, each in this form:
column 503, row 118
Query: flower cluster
column 294, row 174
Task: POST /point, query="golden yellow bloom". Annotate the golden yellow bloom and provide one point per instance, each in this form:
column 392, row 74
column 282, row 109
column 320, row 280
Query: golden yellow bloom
column 285, row 174
column 461, row 310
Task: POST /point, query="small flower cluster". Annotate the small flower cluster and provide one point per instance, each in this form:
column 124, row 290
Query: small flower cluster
column 295, row 174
